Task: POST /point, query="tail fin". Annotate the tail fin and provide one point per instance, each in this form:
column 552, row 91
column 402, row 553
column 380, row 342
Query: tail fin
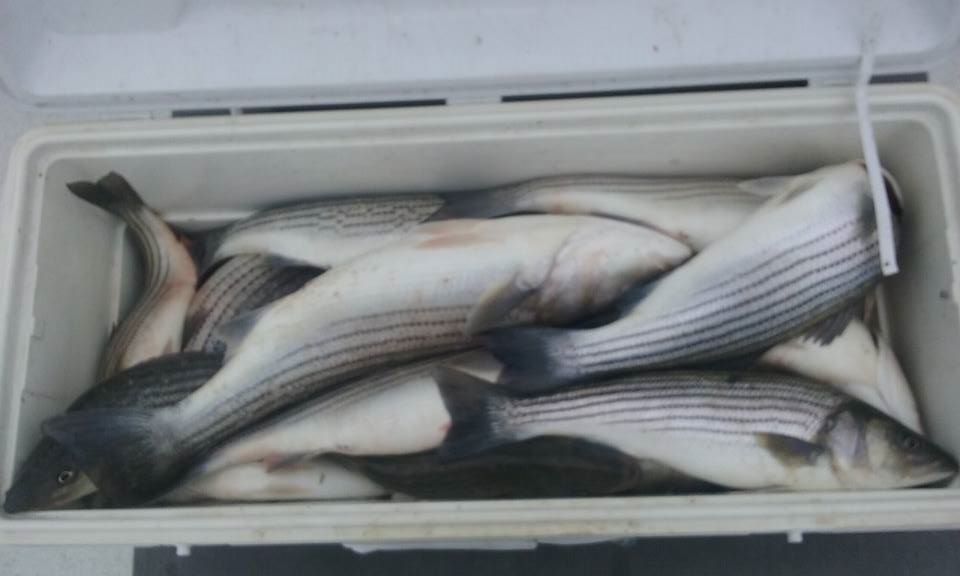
column 112, row 193
column 477, row 417
column 532, row 357
column 128, row 453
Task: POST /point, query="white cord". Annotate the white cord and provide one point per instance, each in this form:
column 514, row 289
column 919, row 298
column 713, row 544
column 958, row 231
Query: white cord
column 881, row 204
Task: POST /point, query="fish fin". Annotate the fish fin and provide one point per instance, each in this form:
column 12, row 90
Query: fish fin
column 478, row 204
column 620, row 307
column 894, row 388
column 531, row 357
column 791, row 451
column 277, row 261
column 825, row 331
column 495, row 305
column 112, row 193
column 233, row 332
column 476, row 413
column 126, row 452
column 767, row 187
column 733, row 364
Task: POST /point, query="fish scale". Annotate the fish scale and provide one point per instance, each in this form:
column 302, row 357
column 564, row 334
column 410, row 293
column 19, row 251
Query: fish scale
column 347, row 211
column 324, row 233
column 722, row 335
column 758, row 409
column 752, row 404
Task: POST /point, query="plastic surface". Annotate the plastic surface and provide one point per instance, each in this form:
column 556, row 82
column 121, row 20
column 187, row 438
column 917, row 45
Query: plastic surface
column 179, row 54
column 67, row 273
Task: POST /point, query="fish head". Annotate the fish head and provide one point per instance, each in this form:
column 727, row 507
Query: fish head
column 870, row 450
column 49, row 479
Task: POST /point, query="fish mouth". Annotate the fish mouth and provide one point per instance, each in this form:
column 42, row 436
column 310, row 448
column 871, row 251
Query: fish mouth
column 18, row 499
column 940, row 471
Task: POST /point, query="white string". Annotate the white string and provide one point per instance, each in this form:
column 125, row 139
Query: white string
column 881, row 204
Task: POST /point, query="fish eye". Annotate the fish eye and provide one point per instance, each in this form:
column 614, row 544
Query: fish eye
column 66, row 476
column 909, row 442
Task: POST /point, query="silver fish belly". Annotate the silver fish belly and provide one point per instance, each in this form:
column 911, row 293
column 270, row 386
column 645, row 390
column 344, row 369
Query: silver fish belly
column 361, row 418
column 316, row 479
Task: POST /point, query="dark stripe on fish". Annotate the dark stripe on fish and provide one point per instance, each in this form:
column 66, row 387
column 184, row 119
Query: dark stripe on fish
column 243, row 284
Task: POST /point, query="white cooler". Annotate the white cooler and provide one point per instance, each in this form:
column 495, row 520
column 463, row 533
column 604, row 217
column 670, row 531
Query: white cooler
column 452, row 95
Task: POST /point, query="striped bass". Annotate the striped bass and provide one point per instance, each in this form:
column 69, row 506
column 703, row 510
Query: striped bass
column 155, row 325
column 323, row 233
column 242, row 284
column 805, row 255
column 740, row 430
column 316, row 479
column 51, row 478
column 695, row 211
column 427, row 294
column 327, row 233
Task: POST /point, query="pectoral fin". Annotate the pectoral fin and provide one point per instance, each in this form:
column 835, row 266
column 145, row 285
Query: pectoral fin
column 495, row 306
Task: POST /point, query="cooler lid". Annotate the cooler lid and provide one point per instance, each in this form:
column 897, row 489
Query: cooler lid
column 175, row 54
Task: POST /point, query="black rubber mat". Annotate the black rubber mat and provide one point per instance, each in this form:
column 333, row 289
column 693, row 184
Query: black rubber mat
column 906, row 554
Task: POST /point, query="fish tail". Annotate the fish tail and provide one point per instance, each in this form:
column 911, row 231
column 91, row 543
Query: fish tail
column 532, row 357
column 470, row 205
column 128, row 453
column 112, row 193
column 477, row 417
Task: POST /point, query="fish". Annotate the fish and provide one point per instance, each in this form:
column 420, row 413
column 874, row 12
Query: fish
column 360, row 417
column 426, row 295
column 154, row 326
column 51, row 478
column 857, row 361
column 696, row 211
column 315, row 479
column 240, row 285
column 738, row 430
column 544, row 467
column 804, row 256
column 322, row 233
